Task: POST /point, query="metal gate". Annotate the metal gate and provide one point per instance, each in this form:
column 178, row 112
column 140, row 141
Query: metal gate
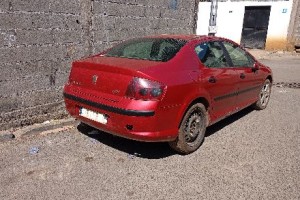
column 255, row 28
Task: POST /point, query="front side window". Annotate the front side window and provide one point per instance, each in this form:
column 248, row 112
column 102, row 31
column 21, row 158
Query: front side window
column 238, row 56
column 211, row 54
column 156, row 49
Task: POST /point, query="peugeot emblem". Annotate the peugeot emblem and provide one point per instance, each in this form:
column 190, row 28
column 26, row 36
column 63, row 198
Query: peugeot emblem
column 115, row 91
column 94, row 79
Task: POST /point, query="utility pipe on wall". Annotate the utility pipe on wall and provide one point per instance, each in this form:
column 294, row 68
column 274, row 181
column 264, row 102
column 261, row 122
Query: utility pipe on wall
column 212, row 28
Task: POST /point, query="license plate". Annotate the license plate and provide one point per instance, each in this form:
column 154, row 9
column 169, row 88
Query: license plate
column 95, row 116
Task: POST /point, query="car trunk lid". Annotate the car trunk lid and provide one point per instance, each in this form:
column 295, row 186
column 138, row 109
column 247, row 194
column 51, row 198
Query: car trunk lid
column 107, row 75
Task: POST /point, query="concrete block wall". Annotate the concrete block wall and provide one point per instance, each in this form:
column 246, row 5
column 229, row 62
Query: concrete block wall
column 40, row 39
column 294, row 27
column 297, row 24
column 116, row 20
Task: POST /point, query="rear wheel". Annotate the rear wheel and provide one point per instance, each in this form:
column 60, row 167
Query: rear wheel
column 264, row 96
column 192, row 130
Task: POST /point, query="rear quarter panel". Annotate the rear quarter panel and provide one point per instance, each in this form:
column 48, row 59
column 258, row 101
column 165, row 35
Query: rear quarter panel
column 181, row 76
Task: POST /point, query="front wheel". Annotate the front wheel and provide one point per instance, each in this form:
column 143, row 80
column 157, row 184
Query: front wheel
column 192, row 130
column 264, row 96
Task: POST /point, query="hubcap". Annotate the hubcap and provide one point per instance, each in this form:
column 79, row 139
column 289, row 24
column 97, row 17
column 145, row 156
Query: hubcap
column 265, row 94
column 193, row 127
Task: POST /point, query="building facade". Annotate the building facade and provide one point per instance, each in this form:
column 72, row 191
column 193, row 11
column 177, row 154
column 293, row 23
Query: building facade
column 263, row 24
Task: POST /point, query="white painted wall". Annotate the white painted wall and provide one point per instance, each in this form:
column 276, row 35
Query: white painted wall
column 230, row 18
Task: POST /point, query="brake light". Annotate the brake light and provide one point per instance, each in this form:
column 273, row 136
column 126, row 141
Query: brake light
column 145, row 89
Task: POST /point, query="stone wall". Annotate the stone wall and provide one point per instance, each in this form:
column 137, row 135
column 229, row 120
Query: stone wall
column 39, row 40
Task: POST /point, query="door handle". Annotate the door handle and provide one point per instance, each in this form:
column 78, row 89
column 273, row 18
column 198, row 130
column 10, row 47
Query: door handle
column 212, row 79
column 242, row 76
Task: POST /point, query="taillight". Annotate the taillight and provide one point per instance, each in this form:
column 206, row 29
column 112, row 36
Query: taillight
column 144, row 89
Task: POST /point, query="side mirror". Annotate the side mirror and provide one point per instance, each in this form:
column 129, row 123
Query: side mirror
column 255, row 67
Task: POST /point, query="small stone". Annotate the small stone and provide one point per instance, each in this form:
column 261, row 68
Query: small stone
column 130, row 156
column 10, row 136
column 94, row 141
column 89, row 159
column 7, row 136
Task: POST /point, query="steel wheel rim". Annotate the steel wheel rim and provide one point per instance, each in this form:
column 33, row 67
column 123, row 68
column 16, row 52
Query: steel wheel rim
column 265, row 94
column 193, row 127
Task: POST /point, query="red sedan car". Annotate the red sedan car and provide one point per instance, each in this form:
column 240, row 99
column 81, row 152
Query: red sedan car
column 166, row 88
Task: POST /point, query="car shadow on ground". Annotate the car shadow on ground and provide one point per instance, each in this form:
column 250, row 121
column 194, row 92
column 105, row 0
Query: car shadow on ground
column 213, row 129
column 150, row 150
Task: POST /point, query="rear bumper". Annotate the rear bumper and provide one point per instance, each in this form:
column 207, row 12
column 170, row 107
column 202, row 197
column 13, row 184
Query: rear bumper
column 141, row 125
column 109, row 108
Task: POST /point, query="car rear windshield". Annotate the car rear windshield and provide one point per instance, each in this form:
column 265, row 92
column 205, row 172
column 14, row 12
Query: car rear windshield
column 155, row 49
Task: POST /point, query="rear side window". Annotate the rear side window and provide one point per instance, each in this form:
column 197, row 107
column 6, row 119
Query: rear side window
column 211, row 54
column 238, row 56
column 156, row 49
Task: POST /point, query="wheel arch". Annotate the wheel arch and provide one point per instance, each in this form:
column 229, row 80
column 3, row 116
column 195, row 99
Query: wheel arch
column 199, row 99
column 202, row 100
column 270, row 78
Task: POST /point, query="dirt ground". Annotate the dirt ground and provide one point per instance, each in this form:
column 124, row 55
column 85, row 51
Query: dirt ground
column 250, row 155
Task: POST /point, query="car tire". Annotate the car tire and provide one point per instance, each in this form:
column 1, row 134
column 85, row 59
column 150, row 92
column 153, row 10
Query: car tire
column 263, row 96
column 192, row 130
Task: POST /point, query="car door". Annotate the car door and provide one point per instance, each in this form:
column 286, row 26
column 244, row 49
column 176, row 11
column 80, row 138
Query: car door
column 217, row 78
column 249, row 78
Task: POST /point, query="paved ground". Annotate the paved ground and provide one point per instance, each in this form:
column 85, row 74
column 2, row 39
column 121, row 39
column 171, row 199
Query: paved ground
column 251, row 155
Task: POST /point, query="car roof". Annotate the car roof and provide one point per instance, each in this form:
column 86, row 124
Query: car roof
column 182, row 37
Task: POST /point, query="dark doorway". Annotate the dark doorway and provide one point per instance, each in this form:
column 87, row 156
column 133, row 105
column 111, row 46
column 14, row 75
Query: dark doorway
column 255, row 28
